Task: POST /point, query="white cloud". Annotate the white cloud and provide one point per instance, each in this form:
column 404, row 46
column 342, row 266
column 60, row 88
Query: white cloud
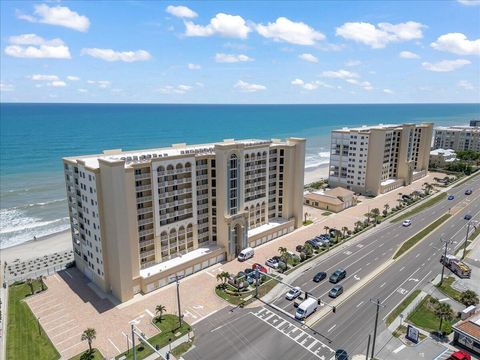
column 248, row 87
column 185, row 87
column 388, row 91
column 229, row 58
column 194, row 66
column 36, row 47
column 310, row 85
column 308, row 57
column 226, row 25
column 286, row 30
column 6, row 87
column 181, row 11
column 408, row 55
column 457, row 43
column 351, row 63
column 382, row 34
column 72, row 78
column 445, row 65
column 340, row 74
column 41, row 77
column 103, row 84
column 57, row 83
column 179, row 89
column 465, row 84
column 82, row 91
column 112, row 55
column 58, row 15
column 469, row 2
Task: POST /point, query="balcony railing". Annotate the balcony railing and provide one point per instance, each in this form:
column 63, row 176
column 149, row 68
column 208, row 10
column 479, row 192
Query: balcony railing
column 144, row 210
column 144, row 199
column 145, row 221
column 146, row 243
column 143, row 187
column 142, row 176
column 145, row 232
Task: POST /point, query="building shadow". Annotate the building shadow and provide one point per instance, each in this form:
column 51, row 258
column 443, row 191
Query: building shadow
column 78, row 283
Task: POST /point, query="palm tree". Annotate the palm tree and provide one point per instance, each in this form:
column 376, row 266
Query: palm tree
column 306, row 214
column 326, row 228
column 42, row 284
column 89, row 335
column 159, row 310
column 358, row 225
column 428, row 187
column 284, row 255
column 344, row 230
column 375, row 213
column 386, row 207
column 444, row 312
column 469, row 298
column 307, row 249
column 29, row 282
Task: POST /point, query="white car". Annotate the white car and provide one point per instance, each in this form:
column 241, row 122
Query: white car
column 407, row 223
column 293, row 293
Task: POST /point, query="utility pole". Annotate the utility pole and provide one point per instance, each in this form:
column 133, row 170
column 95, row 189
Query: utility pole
column 447, row 242
column 368, row 346
column 134, row 350
column 178, row 302
column 257, row 280
column 378, row 305
column 466, row 236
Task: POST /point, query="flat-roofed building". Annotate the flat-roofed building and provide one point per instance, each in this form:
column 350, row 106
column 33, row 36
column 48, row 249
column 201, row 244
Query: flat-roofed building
column 373, row 160
column 458, row 138
column 441, row 157
column 141, row 218
column 334, row 200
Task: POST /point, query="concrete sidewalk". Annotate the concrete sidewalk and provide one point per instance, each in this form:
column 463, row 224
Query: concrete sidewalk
column 163, row 351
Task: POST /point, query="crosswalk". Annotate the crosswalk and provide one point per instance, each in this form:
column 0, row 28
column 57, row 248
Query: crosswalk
column 445, row 355
column 308, row 342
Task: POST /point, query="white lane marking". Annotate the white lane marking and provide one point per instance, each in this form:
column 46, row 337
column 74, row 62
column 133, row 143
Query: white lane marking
column 368, row 264
column 399, row 286
column 115, row 346
column 66, row 272
column 383, row 284
column 400, row 348
column 333, row 327
column 445, row 299
column 401, row 269
column 417, row 255
column 359, row 304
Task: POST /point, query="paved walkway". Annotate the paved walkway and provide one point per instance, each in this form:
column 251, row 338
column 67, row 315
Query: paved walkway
column 163, row 351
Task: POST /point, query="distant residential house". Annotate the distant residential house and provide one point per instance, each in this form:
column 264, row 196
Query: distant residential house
column 334, row 200
column 441, row 157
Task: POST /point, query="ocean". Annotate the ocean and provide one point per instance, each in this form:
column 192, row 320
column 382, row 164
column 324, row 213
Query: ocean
column 35, row 137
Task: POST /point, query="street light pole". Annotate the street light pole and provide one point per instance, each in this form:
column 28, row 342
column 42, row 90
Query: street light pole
column 466, row 238
column 178, row 302
column 134, row 350
column 444, row 259
column 378, row 304
column 368, row 346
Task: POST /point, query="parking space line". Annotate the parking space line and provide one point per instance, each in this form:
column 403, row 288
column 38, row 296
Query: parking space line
column 68, row 338
column 115, row 346
column 63, row 332
column 56, row 327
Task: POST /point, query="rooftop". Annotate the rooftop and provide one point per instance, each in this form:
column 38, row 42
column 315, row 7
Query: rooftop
column 330, row 197
column 367, row 128
column 459, row 128
column 143, row 156
column 470, row 326
column 265, row 227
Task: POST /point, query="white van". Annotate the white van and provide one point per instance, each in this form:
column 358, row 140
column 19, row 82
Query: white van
column 246, row 254
column 306, row 308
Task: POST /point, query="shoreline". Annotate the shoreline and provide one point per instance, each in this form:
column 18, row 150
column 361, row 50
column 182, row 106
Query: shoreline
column 62, row 241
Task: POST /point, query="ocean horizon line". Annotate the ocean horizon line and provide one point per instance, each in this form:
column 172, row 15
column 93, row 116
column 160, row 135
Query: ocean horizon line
column 235, row 104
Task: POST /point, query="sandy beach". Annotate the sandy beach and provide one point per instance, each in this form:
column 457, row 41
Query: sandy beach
column 63, row 242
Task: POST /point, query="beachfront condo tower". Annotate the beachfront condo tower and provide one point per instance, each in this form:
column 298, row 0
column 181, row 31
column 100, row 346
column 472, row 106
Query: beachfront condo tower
column 458, row 138
column 373, row 160
column 141, row 218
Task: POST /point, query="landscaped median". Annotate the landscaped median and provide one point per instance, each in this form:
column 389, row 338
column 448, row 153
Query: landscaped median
column 25, row 337
column 407, row 245
column 242, row 298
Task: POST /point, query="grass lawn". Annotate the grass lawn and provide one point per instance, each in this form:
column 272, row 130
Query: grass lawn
column 424, row 317
column 25, row 340
column 182, row 348
column 399, row 309
column 308, row 222
column 96, row 355
column 420, row 235
column 447, row 289
column 168, row 330
column 430, row 202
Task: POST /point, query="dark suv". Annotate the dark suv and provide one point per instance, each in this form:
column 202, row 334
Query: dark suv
column 338, row 276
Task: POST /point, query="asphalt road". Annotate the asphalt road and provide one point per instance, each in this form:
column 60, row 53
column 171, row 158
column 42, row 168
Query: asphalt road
column 261, row 332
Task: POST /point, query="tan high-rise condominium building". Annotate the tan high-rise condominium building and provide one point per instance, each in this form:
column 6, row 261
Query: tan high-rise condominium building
column 373, row 160
column 457, row 138
column 139, row 219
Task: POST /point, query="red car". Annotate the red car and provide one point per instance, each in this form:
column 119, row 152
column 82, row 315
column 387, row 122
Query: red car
column 460, row 355
column 260, row 268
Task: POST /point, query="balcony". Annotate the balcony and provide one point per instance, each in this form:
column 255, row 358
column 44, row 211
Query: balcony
column 142, row 176
column 143, row 187
column 144, row 254
column 202, row 167
column 144, row 199
column 144, row 210
column 145, row 232
column 145, row 221
column 202, row 177
column 147, row 243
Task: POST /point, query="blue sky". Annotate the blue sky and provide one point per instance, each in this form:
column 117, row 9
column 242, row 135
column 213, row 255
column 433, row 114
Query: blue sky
column 240, row 52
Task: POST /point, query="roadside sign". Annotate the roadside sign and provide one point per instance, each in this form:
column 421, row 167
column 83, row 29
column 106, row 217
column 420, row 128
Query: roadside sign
column 412, row 334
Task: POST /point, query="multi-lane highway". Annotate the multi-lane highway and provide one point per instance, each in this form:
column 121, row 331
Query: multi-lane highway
column 270, row 334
